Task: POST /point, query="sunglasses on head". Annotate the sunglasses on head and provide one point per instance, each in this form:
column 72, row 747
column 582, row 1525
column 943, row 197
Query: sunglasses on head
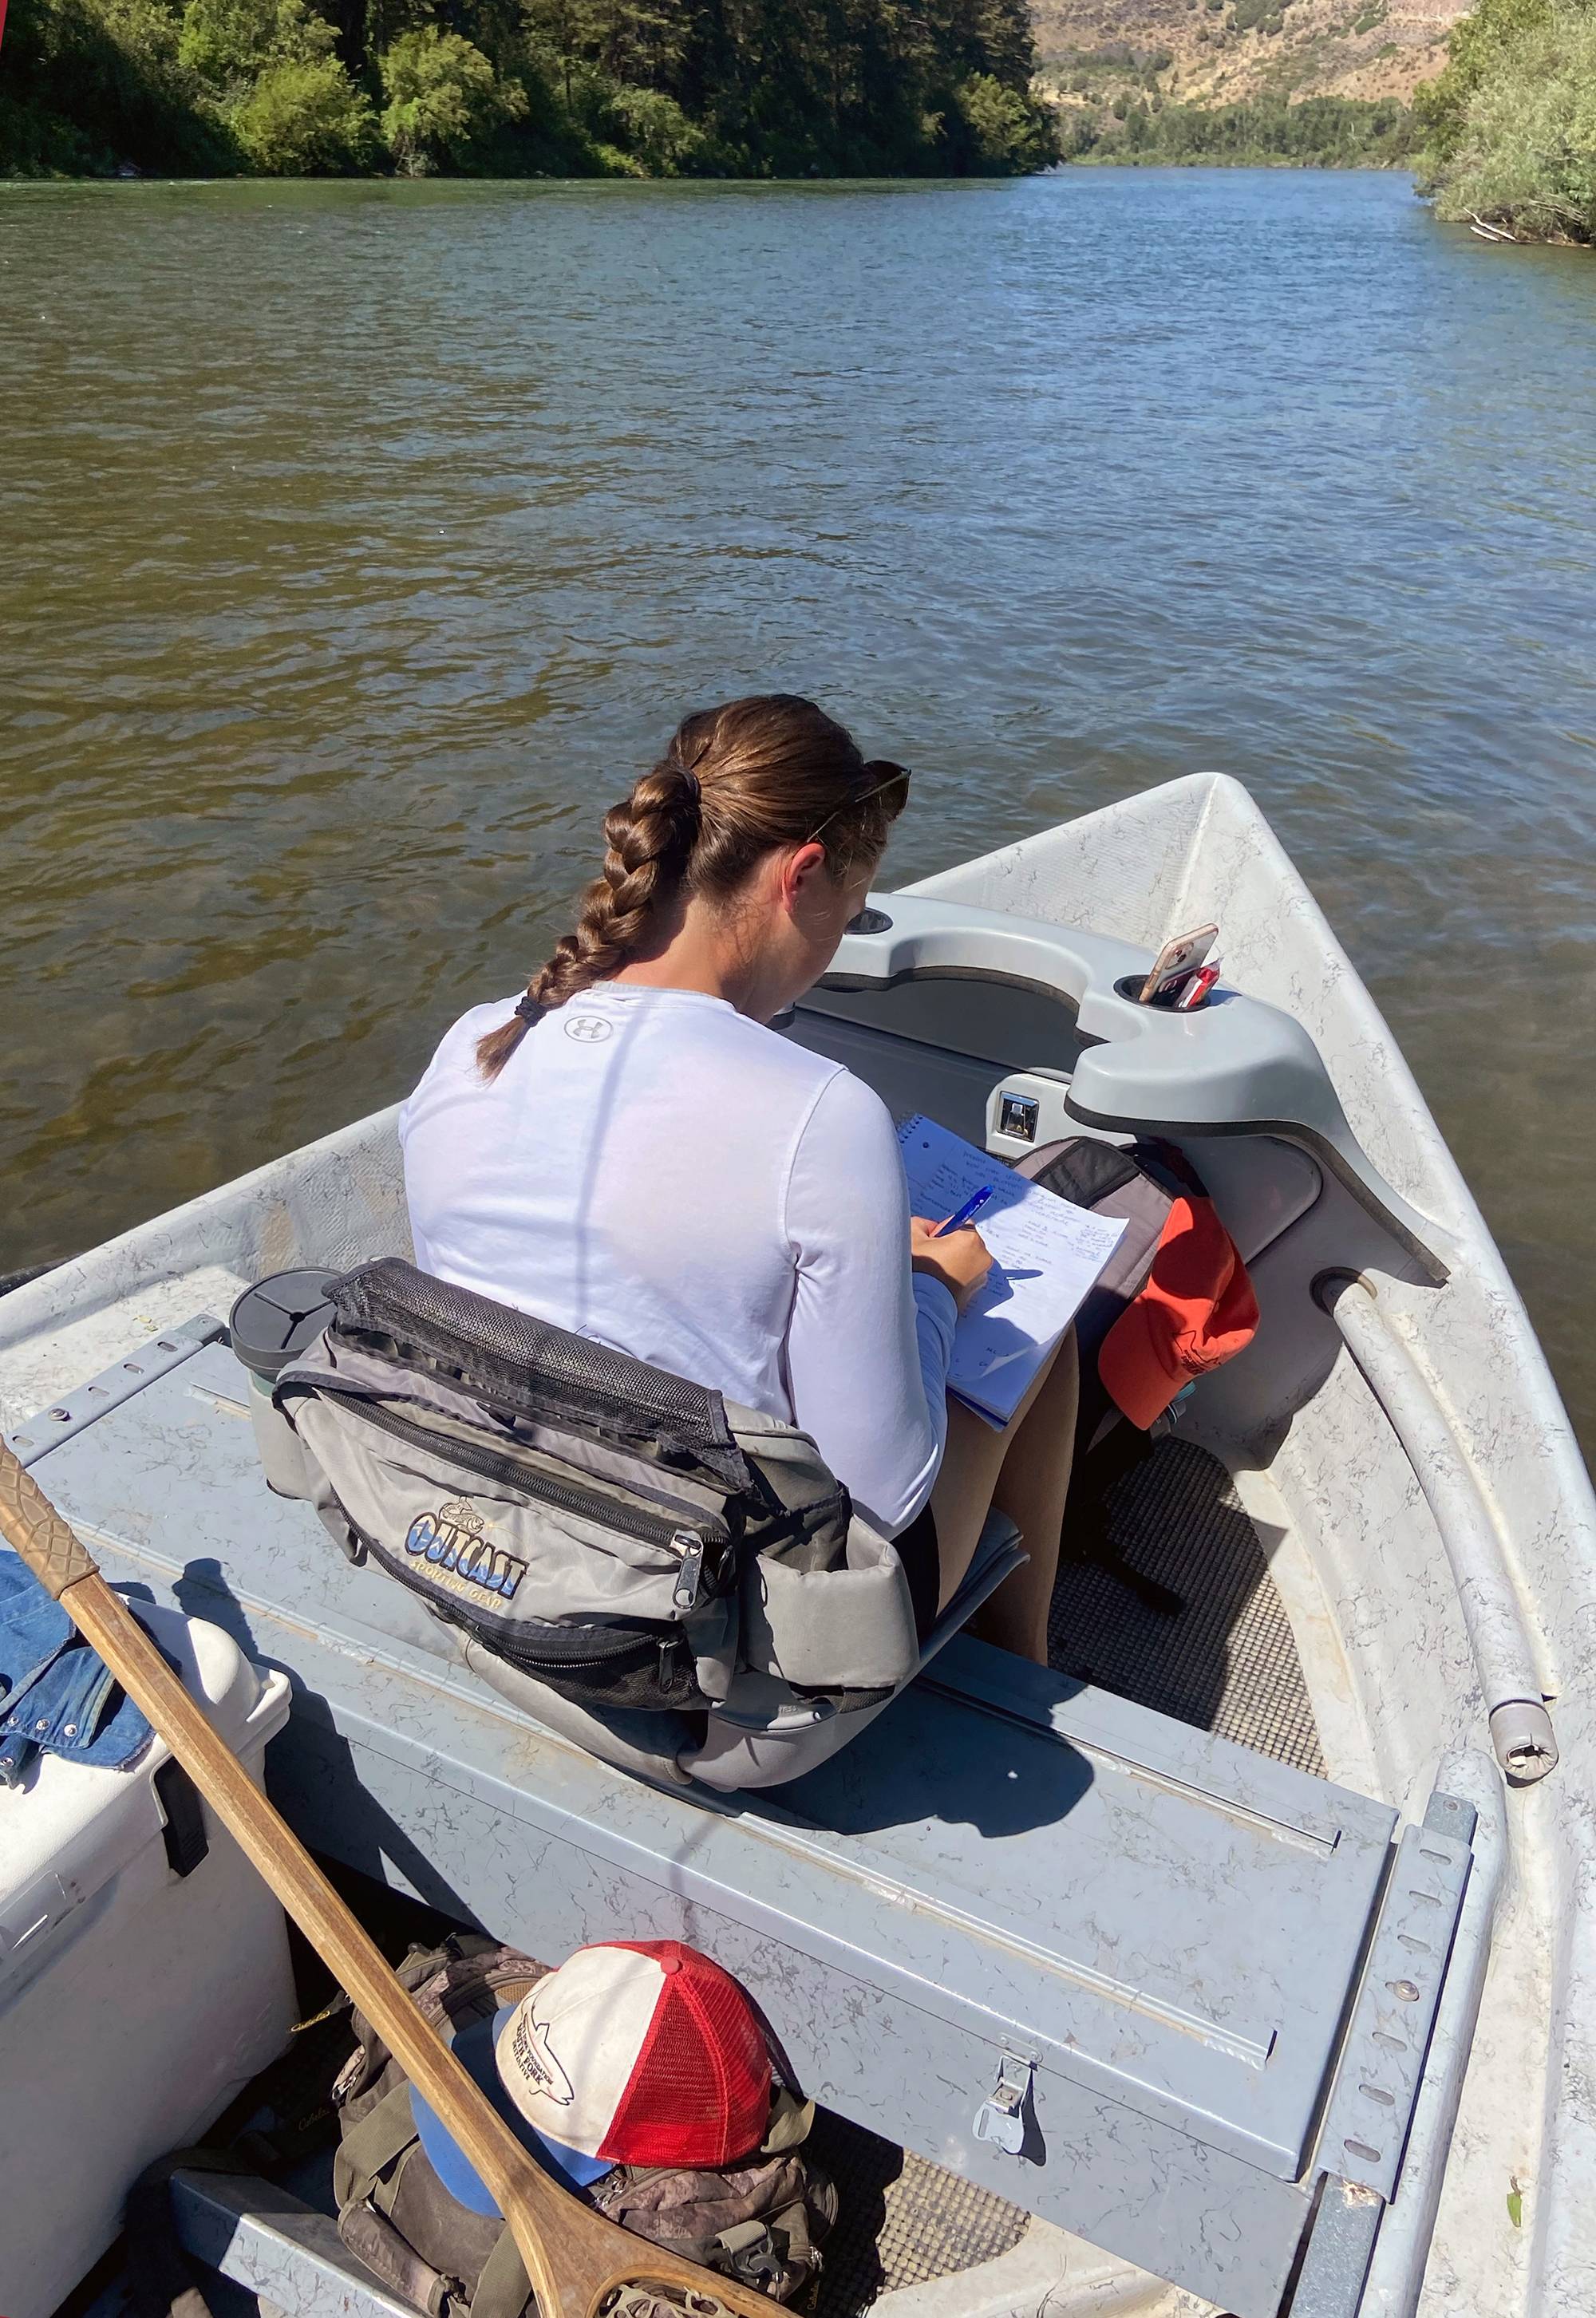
column 894, row 775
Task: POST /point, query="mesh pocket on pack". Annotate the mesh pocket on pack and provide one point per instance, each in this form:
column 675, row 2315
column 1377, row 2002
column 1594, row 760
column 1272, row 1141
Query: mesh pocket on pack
column 530, row 1367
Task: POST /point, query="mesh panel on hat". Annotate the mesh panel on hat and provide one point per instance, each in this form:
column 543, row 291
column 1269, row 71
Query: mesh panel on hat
column 700, row 2093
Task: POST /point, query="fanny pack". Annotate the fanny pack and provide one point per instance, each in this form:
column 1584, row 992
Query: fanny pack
column 618, row 1537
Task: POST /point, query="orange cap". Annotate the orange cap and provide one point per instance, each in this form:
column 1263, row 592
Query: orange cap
column 1196, row 1311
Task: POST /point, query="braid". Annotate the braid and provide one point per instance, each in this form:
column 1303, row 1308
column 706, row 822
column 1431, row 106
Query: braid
column 774, row 770
column 649, row 841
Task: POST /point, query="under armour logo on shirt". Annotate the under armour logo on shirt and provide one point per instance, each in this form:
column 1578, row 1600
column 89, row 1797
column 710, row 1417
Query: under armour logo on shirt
column 589, row 1029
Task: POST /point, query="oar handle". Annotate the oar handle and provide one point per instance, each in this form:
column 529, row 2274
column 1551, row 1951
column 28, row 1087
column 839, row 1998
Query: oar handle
column 32, row 1526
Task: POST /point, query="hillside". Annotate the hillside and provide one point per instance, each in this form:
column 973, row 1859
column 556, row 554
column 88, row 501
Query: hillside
column 1222, row 51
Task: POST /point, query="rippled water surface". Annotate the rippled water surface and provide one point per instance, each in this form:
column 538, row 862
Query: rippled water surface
column 359, row 540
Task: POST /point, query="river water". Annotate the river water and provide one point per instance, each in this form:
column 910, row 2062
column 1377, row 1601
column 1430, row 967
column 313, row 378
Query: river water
column 360, row 541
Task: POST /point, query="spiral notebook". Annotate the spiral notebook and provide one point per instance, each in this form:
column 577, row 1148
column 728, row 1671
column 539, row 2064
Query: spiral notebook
column 1048, row 1254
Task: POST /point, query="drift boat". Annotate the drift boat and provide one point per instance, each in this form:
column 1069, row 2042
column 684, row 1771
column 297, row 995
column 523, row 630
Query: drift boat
column 1243, row 1959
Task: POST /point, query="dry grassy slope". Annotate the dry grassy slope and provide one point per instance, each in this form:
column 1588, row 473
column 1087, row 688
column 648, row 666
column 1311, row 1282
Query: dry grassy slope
column 1325, row 48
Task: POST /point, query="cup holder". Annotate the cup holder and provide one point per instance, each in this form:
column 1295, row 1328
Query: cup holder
column 1128, row 987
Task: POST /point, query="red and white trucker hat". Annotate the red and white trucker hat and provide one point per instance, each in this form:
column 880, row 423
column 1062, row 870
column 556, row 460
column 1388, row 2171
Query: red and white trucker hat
column 639, row 2052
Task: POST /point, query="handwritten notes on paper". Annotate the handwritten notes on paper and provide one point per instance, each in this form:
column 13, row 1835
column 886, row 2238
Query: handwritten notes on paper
column 1046, row 1255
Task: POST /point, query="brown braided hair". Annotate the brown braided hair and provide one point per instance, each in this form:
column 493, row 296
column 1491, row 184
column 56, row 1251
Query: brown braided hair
column 735, row 782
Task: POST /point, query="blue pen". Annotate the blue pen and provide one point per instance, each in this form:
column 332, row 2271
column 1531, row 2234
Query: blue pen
column 957, row 1223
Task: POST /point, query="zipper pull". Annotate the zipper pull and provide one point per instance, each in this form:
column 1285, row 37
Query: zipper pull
column 689, row 1577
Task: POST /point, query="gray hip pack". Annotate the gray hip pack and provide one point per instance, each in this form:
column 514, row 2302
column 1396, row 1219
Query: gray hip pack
column 625, row 1554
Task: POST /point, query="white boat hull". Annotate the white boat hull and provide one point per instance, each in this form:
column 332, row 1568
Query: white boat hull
column 1388, row 1656
column 1389, row 1644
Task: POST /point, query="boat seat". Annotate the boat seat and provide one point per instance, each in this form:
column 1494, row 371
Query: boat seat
column 1143, row 1982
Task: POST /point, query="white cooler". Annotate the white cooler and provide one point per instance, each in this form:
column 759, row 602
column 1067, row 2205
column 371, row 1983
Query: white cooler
column 135, row 1999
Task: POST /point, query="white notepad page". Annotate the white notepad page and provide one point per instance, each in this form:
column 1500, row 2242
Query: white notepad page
column 1046, row 1255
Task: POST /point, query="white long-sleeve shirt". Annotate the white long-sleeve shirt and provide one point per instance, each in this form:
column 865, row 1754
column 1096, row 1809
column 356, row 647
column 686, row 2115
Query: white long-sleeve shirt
column 653, row 1169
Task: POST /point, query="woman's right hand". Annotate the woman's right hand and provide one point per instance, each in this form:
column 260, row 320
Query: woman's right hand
column 961, row 1262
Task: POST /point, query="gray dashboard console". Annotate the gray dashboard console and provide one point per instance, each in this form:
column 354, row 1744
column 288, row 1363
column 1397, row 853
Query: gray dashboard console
column 1235, row 1066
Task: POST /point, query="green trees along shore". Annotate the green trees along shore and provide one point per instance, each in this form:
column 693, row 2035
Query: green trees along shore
column 1259, row 133
column 764, row 88
column 522, row 87
column 1511, row 124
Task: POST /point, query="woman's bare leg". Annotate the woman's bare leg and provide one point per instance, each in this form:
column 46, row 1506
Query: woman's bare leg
column 1024, row 1471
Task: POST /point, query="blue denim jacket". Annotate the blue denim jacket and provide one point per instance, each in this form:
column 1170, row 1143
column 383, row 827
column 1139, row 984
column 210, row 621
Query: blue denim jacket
column 55, row 1692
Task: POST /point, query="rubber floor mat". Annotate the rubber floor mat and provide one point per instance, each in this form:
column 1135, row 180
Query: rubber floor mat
column 900, row 2220
column 1225, row 1659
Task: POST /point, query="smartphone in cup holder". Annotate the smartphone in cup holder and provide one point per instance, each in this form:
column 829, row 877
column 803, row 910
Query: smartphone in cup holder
column 1175, row 964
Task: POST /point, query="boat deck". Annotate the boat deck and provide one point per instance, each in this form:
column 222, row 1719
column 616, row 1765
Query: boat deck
column 1012, row 1878
column 1221, row 1658
column 1223, row 1661
column 1221, row 1655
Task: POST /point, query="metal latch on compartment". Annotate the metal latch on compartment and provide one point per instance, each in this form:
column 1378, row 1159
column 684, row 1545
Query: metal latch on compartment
column 1001, row 2116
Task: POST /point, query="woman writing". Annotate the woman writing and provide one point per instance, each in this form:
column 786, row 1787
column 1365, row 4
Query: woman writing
column 635, row 1155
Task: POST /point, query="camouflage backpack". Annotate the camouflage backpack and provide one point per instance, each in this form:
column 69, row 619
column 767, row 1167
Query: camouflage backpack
column 763, row 2221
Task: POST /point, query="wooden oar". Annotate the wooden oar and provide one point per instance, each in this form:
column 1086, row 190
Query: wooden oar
column 575, row 2258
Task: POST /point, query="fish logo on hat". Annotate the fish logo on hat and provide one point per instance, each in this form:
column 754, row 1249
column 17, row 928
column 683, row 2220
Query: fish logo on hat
column 530, row 2046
